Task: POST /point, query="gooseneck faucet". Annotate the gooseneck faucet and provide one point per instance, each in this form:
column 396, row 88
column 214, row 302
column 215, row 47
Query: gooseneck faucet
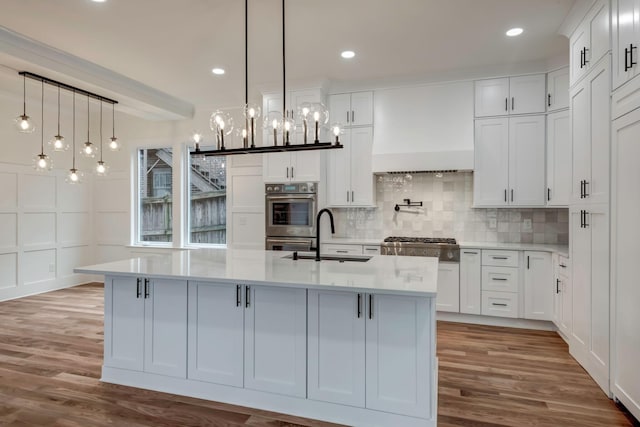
column 333, row 230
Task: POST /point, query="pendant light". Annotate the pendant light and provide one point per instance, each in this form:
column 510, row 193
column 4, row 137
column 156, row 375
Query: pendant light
column 74, row 176
column 23, row 123
column 101, row 168
column 42, row 162
column 114, row 145
column 58, row 143
column 89, row 149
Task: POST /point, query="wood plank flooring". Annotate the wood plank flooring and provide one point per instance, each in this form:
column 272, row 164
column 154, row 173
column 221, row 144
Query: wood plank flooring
column 51, row 356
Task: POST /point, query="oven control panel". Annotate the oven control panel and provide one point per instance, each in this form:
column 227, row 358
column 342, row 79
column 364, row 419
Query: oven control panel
column 292, row 188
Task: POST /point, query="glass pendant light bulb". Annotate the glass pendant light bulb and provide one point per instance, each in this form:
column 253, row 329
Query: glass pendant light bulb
column 23, row 123
column 57, row 143
column 89, row 150
column 252, row 111
column 114, row 145
column 74, row 176
column 42, row 163
column 101, row 168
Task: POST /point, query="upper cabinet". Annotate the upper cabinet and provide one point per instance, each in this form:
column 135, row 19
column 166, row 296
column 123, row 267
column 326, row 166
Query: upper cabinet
column 590, row 41
column 292, row 167
column 558, row 158
column 558, row 89
column 510, row 95
column 272, row 102
column 352, row 109
column 625, row 21
column 510, row 162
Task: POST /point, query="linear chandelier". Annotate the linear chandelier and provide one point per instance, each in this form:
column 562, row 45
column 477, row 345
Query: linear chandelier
column 42, row 162
column 276, row 122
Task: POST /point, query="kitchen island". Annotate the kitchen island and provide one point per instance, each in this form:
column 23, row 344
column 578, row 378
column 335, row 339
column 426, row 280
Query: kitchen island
column 349, row 342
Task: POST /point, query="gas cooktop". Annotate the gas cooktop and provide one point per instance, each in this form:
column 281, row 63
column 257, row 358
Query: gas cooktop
column 439, row 240
column 445, row 249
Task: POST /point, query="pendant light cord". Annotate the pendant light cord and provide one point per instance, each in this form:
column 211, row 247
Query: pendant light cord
column 284, row 70
column 58, row 110
column 246, row 53
column 24, row 95
column 42, row 120
column 88, row 120
column 100, row 130
column 74, row 130
column 113, row 120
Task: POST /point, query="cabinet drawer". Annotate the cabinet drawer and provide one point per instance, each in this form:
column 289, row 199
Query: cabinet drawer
column 501, row 304
column 342, row 249
column 500, row 258
column 500, row 279
column 371, row 250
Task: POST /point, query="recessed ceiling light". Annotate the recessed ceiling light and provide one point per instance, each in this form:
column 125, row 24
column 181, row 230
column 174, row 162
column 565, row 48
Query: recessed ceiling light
column 98, row 1
column 348, row 54
column 218, row 71
column 514, row 32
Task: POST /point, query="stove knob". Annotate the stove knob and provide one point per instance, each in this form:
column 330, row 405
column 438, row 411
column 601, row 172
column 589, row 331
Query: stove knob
column 303, row 189
column 269, row 188
column 311, row 188
column 450, row 254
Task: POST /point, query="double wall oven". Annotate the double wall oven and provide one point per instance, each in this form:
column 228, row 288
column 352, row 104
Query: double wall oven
column 291, row 210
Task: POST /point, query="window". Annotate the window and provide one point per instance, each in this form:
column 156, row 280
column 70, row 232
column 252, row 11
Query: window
column 155, row 190
column 207, row 200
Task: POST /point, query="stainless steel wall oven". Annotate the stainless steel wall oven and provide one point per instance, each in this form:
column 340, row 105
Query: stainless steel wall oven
column 290, row 215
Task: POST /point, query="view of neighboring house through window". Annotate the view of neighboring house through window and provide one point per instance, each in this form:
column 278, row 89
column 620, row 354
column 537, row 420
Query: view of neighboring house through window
column 208, row 200
column 155, row 190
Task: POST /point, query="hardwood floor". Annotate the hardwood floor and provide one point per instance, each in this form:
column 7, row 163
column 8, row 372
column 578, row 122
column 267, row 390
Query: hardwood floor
column 51, row 355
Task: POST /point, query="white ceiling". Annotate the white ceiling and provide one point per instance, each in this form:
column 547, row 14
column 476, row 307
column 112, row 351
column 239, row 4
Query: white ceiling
column 172, row 45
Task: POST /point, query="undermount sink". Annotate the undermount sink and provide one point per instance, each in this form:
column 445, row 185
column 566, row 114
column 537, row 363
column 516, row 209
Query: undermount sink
column 339, row 258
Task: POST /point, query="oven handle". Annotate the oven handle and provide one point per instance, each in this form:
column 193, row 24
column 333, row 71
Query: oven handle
column 293, row 197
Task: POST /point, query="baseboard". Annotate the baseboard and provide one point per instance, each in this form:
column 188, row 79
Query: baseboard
column 541, row 325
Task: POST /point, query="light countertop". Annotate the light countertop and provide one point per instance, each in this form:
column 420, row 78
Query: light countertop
column 351, row 241
column 415, row 276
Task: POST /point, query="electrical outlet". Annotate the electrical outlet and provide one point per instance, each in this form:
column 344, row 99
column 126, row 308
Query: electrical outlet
column 493, row 223
column 526, row 225
column 52, row 268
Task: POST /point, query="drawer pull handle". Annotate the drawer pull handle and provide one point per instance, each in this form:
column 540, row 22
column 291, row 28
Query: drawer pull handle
column 500, row 257
column 470, row 253
column 499, row 279
column 342, row 251
column 563, row 266
column 499, row 304
column 371, row 249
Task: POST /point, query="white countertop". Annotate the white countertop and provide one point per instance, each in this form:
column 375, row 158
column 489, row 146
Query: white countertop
column 559, row 249
column 351, row 241
column 416, row 276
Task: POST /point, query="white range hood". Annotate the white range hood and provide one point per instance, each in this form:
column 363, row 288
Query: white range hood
column 423, row 162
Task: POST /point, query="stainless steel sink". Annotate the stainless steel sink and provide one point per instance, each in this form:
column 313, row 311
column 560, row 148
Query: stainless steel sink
column 339, row 258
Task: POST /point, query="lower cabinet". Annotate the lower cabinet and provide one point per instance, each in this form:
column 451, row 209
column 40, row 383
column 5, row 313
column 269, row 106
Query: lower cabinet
column 263, row 329
column 470, row 281
column 538, row 286
column 448, row 298
column 372, row 351
column 145, row 325
column 562, row 295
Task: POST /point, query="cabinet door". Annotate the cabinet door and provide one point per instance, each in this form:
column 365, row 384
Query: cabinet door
column 275, row 357
column 557, row 297
column 399, row 344
column 599, row 35
column 527, row 161
column 165, row 331
column 470, row 281
column 216, row 315
column 566, row 309
column 123, row 323
column 527, row 94
column 558, row 159
column 448, row 298
column 305, row 167
column 276, row 167
column 492, row 97
column 339, row 173
column 361, row 166
column 340, row 108
column 600, row 134
column 491, row 170
column 626, row 35
column 577, row 43
column 538, row 286
column 625, row 206
column 558, row 89
column 581, row 263
column 581, row 144
column 361, row 109
column 336, row 342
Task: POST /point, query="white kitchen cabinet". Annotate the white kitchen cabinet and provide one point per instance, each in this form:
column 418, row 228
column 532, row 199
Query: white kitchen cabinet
column 272, row 102
column 589, row 340
column 590, row 132
column 398, row 341
column 352, row 109
column 216, row 316
column 470, row 281
column 626, row 38
column 292, row 167
column 500, row 304
column 500, row 279
column 559, row 158
column 350, row 177
column 590, row 41
column 275, row 356
column 145, row 325
column 510, row 95
column 538, row 286
column 558, row 90
column 562, row 303
column 500, row 283
column 336, row 342
column 350, row 249
column 625, row 292
column 510, row 161
column 448, row 298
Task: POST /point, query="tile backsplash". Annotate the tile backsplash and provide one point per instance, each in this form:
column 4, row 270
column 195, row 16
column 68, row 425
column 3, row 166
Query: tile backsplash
column 447, row 212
